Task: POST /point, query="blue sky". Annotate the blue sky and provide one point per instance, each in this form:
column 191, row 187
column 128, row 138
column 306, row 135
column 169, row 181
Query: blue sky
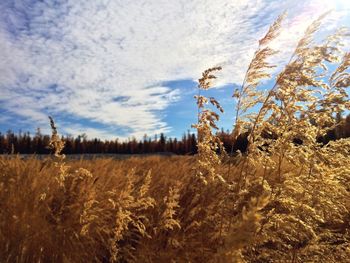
column 128, row 68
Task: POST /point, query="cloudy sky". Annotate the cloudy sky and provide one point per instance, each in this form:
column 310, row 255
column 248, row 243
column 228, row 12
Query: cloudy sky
column 127, row 68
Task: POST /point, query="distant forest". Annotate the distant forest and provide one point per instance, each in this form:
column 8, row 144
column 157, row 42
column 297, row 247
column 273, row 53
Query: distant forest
column 25, row 143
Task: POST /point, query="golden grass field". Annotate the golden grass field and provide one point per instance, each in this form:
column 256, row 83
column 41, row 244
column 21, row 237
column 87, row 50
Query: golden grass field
column 154, row 210
column 278, row 202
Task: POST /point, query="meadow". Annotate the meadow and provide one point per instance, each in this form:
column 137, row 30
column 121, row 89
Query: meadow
column 286, row 199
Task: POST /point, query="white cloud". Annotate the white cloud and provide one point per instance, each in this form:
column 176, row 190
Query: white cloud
column 104, row 60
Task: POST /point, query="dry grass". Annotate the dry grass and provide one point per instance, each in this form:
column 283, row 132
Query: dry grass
column 44, row 219
column 118, row 210
column 280, row 202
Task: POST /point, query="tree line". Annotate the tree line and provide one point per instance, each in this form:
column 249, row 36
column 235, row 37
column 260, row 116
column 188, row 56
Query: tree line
column 25, row 143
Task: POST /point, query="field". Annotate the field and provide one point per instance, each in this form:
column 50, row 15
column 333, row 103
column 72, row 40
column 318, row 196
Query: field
column 286, row 199
column 154, row 210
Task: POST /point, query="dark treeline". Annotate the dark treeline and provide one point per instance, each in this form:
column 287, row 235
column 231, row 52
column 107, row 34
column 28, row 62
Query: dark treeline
column 341, row 130
column 25, row 143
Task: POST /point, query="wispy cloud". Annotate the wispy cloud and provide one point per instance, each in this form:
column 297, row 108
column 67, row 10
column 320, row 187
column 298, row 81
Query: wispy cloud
column 105, row 61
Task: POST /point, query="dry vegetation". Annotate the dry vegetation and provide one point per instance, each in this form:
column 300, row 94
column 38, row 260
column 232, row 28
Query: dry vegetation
column 279, row 202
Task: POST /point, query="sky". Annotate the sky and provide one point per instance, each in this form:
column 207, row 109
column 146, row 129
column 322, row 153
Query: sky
column 111, row 68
